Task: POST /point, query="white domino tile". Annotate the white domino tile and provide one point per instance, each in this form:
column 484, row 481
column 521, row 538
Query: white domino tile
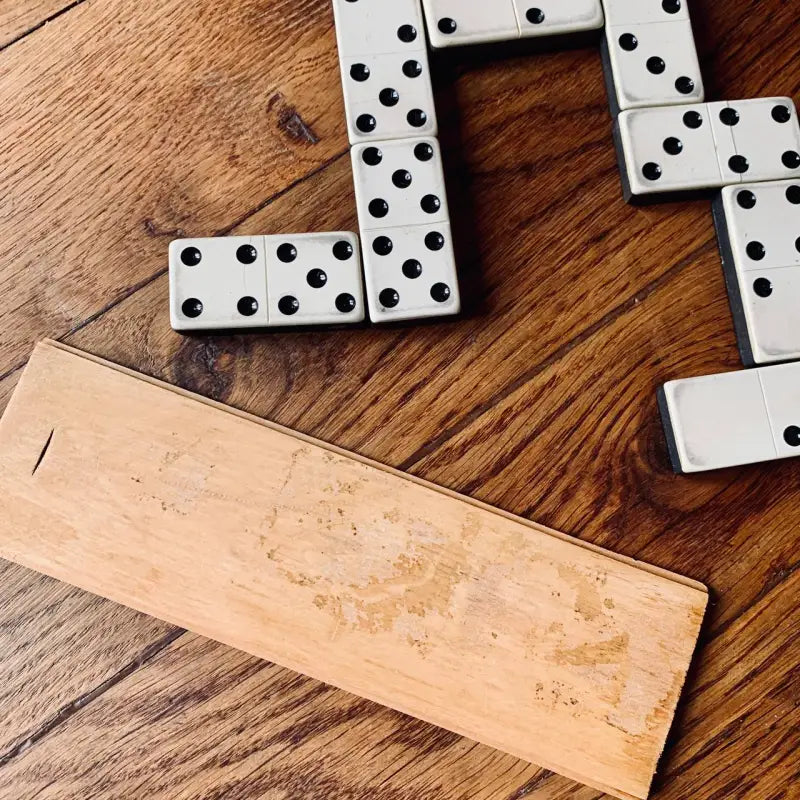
column 556, row 17
column 771, row 300
column 781, row 386
column 654, row 65
column 455, row 22
column 763, row 222
column 410, row 273
column 388, row 96
column 644, row 12
column 733, row 418
column 218, row 283
column 314, row 279
column 759, row 231
column 668, row 149
column 409, row 262
column 399, row 183
column 757, row 139
column 375, row 27
column 245, row 282
column 708, row 145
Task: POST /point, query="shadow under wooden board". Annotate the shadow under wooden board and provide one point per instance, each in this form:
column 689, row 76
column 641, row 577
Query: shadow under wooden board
column 353, row 573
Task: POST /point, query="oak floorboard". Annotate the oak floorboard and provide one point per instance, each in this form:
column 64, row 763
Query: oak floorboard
column 42, row 620
column 133, row 123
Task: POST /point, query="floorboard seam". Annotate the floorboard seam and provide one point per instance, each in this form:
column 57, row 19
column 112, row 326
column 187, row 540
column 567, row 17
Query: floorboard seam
column 272, row 198
column 155, row 276
column 13, row 369
column 41, row 24
column 586, row 334
column 129, row 292
column 65, row 712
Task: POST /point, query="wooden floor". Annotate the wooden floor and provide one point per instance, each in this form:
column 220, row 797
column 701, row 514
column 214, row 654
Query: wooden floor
column 127, row 124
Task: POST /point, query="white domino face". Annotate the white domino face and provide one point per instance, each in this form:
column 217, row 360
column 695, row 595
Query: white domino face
column 668, row 149
column 735, row 418
column 378, row 27
column 410, row 273
column 761, row 248
column 781, row 386
column 218, row 283
column 552, row 17
column 654, row 64
column 455, row 22
column 314, row 279
column 388, row 96
column 709, row 145
column 757, row 140
column 399, row 183
column 409, row 264
column 238, row 282
column 644, row 12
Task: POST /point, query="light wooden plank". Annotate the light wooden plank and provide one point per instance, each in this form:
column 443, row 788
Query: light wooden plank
column 382, row 585
column 17, row 18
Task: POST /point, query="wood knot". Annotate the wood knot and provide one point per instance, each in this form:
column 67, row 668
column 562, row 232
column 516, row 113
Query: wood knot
column 207, row 367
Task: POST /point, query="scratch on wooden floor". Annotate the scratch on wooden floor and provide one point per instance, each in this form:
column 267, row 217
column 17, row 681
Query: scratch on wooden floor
column 290, row 121
column 151, row 229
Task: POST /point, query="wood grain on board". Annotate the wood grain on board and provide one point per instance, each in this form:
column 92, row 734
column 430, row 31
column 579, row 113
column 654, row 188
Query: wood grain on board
column 18, row 18
column 359, row 576
column 557, row 259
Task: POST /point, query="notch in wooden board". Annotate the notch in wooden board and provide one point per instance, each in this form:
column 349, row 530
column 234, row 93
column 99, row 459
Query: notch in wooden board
column 342, row 569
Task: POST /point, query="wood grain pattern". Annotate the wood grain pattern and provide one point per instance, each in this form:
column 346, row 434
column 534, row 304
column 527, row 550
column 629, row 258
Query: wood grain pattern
column 557, row 259
column 396, row 590
column 86, row 226
column 44, row 618
column 266, row 732
column 17, row 19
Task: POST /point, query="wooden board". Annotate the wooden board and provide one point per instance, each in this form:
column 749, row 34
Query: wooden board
column 18, row 19
column 381, row 584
